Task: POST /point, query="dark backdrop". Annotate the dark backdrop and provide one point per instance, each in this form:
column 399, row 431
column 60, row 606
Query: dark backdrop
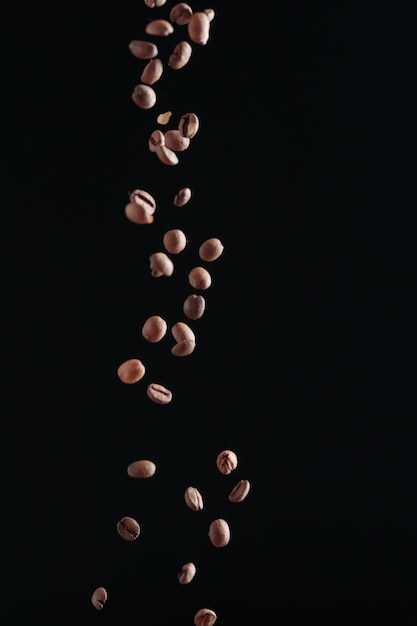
column 305, row 359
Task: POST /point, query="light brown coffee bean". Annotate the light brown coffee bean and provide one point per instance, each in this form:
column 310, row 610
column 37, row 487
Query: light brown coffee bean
column 199, row 28
column 226, row 462
column 160, row 264
column 156, row 139
column 187, row 573
column 194, row 306
column 159, row 28
column 138, row 214
column 144, row 96
column 219, row 533
column 180, row 55
column 131, row 371
column 174, row 241
column 175, row 141
column 181, row 13
column 239, row 491
column 141, row 469
column 143, row 198
column 210, row 14
column 159, row 393
column 152, row 71
column 188, row 125
column 193, row 499
column 205, row 617
column 166, row 155
column 155, row 3
column 211, row 249
column 182, row 197
column 154, row 328
column 99, row 598
column 143, row 49
column 199, row 278
column 185, row 339
column 128, row 528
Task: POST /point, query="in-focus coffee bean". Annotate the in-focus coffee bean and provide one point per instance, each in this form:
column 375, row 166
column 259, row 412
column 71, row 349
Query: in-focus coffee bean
column 205, row 617
column 131, row 371
column 128, row 528
column 188, row 125
column 152, row 71
column 141, row 207
column 99, row 598
column 180, row 55
column 211, row 249
column 199, row 278
column 175, row 141
column 166, row 155
column 194, row 306
column 182, row 197
column 219, row 533
column 154, row 328
column 187, row 573
column 141, row 469
column 193, row 499
column 199, row 28
column 185, row 338
column 239, row 491
column 174, row 241
column 226, row 461
column 159, row 394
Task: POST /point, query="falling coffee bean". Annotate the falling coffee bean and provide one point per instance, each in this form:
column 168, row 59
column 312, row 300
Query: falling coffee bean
column 99, row 598
column 226, row 462
column 239, row 491
column 219, row 533
column 128, row 528
column 205, row 617
column 141, row 469
column 159, row 394
column 187, row 573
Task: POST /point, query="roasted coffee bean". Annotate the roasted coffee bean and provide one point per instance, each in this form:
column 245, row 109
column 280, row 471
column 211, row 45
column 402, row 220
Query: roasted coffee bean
column 187, row 573
column 166, row 155
column 199, row 278
column 141, row 469
column 194, row 306
column 199, row 28
column 211, row 249
column 185, row 339
column 219, row 533
column 143, row 198
column 210, row 14
column 181, row 13
column 143, row 49
column 189, row 125
column 99, row 598
column 239, row 491
column 160, row 264
column 174, row 241
column 128, row 528
column 159, row 28
column 193, row 499
column 144, row 96
column 152, row 71
column 131, row 371
column 155, row 3
column 205, row 617
column 154, row 328
column 226, row 462
column 180, row 55
column 182, row 197
column 138, row 214
column 159, row 393
column 175, row 141
column 156, row 139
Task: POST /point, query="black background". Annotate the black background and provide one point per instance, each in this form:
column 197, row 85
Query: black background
column 304, row 167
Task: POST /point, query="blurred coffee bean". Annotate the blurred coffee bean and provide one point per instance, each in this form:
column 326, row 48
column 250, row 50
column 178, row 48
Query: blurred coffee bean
column 99, row 598
column 152, row 71
column 199, row 278
column 141, row 469
column 194, row 306
column 174, row 241
column 211, row 249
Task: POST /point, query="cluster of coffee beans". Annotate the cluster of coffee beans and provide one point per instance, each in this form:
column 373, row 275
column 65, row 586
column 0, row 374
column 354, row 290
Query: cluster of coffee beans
column 141, row 210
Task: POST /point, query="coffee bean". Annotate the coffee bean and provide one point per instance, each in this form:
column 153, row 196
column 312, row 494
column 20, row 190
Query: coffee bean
column 187, row 573
column 99, row 598
column 182, row 197
column 154, row 328
column 189, row 125
column 141, row 207
column 143, row 49
column 211, row 249
column 185, row 339
column 180, row 55
column 152, row 71
column 239, row 491
column 193, row 499
column 181, row 13
column 194, row 306
column 175, row 141
column 159, row 393
column 226, row 462
column 154, row 3
column 199, row 278
column 210, row 14
column 205, row 617
column 161, row 265
column 174, row 241
column 141, row 469
column 144, row 96
column 131, row 371
column 219, row 533
column 128, row 528
column 159, row 28
column 166, row 155
column 199, row 28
